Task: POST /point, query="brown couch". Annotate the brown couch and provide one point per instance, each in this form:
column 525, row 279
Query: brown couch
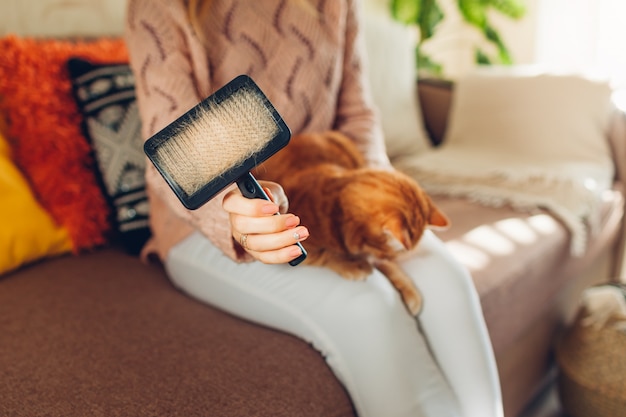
column 102, row 334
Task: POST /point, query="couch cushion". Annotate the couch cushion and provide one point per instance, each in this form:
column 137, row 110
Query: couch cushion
column 105, row 95
column 391, row 71
column 102, row 335
column 27, row 232
column 43, row 127
column 520, row 261
column 54, row 18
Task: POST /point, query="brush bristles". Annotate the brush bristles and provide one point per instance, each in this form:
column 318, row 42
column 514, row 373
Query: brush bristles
column 218, row 138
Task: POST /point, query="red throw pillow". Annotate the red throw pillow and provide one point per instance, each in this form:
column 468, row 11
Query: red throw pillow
column 44, row 129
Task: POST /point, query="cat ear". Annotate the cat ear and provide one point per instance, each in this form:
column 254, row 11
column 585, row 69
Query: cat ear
column 398, row 243
column 437, row 219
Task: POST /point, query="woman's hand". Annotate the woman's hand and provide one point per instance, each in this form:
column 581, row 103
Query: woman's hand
column 269, row 238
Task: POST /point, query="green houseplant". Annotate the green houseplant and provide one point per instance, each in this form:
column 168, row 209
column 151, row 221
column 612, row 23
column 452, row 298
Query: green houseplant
column 427, row 14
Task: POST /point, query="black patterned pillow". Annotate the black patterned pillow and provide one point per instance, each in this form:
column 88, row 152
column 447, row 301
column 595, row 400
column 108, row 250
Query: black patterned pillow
column 105, row 94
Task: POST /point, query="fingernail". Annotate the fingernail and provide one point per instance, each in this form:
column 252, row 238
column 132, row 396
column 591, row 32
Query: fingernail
column 269, row 208
column 300, row 233
column 292, row 221
column 295, row 252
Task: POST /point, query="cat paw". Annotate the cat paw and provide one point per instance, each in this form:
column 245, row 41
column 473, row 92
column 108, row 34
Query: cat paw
column 354, row 275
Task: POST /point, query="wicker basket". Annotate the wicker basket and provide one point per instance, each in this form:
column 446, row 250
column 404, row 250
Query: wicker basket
column 592, row 362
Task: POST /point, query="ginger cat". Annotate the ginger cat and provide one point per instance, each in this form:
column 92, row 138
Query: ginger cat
column 360, row 218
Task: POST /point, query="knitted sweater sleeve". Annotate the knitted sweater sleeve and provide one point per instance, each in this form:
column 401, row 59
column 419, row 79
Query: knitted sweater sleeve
column 356, row 116
column 162, row 50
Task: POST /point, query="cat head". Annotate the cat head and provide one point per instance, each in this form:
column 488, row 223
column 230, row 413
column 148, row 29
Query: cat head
column 386, row 213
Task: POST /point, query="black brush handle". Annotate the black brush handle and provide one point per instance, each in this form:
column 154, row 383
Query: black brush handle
column 250, row 188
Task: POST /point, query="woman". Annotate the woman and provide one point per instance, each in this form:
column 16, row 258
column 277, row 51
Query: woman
column 307, row 56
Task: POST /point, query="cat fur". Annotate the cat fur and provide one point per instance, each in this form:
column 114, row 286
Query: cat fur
column 360, row 217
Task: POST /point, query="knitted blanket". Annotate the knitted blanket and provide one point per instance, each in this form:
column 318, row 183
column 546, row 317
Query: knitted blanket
column 533, row 141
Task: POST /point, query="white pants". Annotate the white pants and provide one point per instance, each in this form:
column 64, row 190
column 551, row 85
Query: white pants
column 361, row 328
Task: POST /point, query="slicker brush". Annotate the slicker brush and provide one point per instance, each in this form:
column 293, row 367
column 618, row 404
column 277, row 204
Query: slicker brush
column 218, row 142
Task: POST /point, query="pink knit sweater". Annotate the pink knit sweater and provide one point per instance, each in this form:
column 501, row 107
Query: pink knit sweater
column 310, row 65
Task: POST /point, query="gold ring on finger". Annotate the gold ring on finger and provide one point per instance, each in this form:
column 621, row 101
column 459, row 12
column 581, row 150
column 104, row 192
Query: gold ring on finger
column 243, row 241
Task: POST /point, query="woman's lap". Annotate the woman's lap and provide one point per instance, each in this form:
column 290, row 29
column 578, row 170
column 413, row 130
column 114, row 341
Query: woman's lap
column 362, row 328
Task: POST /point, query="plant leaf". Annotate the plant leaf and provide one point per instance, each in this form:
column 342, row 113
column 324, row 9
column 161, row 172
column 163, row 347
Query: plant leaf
column 515, row 9
column 425, row 14
column 426, row 66
column 429, row 17
column 494, row 37
column 474, row 12
column 406, row 11
column 481, row 58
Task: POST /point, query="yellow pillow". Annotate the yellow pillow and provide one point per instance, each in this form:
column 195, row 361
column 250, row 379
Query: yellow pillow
column 27, row 232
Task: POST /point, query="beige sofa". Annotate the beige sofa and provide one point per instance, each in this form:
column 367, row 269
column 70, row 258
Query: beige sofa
column 531, row 293
column 103, row 334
